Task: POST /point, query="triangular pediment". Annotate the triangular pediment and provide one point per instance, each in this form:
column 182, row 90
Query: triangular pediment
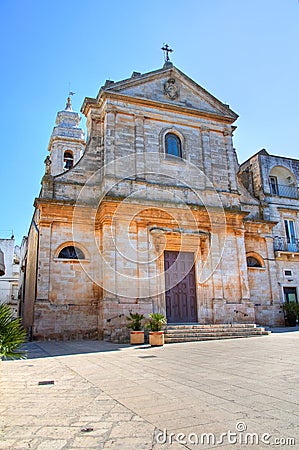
column 171, row 86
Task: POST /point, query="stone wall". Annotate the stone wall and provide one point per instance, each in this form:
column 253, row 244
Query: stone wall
column 30, row 279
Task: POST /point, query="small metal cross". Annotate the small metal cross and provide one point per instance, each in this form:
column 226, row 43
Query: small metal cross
column 167, row 50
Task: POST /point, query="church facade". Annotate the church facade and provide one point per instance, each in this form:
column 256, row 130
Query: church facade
column 152, row 213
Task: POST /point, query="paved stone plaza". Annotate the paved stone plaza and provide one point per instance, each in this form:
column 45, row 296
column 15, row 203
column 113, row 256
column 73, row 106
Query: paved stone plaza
column 119, row 397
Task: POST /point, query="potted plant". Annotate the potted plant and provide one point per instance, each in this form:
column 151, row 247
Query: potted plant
column 291, row 310
column 155, row 325
column 12, row 334
column 137, row 334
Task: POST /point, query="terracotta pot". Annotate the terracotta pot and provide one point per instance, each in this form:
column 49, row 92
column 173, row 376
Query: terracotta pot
column 156, row 338
column 136, row 337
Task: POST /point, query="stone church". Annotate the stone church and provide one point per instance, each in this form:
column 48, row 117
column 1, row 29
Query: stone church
column 151, row 212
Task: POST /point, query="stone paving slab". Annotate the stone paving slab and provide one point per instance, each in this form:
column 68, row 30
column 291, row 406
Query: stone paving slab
column 117, row 397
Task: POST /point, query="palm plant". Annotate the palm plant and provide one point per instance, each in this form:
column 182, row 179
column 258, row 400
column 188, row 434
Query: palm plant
column 135, row 320
column 156, row 322
column 12, row 334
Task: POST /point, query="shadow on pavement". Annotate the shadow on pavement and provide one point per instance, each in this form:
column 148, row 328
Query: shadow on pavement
column 46, row 349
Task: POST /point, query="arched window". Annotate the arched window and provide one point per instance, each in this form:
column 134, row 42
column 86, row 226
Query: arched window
column 68, row 160
column 253, row 262
column 71, row 252
column 173, row 145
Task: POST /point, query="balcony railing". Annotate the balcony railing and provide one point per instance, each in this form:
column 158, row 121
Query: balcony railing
column 281, row 244
column 282, row 190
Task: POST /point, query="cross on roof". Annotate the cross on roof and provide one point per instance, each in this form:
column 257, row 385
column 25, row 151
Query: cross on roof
column 166, row 50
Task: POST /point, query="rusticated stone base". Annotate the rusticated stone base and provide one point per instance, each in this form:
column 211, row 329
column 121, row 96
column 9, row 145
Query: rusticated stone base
column 114, row 323
column 66, row 322
column 107, row 319
column 225, row 312
column 271, row 315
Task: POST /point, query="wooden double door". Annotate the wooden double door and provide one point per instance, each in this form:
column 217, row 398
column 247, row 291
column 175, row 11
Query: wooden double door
column 180, row 287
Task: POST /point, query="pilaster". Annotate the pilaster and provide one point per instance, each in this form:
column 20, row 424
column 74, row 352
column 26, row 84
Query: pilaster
column 109, row 136
column 139, row 147
column 230, row 159
column 206, row 152
column 274, row 293
column 242, row 268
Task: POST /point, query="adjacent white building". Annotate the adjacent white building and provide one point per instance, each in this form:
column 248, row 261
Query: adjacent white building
column 10, row 279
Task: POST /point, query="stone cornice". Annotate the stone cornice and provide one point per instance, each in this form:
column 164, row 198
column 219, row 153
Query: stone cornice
column 66, row 139
column 158, row 105
column 288, row 208
column 259, row 226
column 39, row 201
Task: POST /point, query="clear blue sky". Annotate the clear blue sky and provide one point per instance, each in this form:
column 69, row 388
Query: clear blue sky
column 245, row 52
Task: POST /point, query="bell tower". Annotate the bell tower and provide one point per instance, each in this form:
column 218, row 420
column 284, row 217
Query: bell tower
column 67, row 142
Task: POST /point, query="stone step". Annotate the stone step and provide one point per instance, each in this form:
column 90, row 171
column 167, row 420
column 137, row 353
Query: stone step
column 198, row 332
column 217, row 325
column 212, row 330
column 174, row 340
column 202, row 338
column 232, row 333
